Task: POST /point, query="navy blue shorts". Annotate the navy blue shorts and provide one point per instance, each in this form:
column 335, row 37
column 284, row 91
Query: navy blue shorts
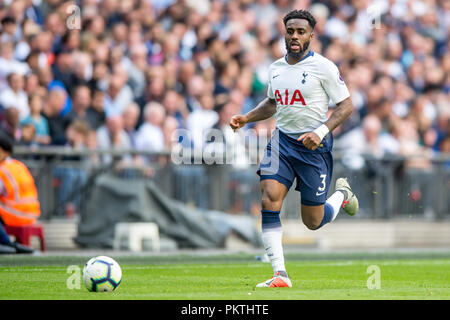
column 286, row 159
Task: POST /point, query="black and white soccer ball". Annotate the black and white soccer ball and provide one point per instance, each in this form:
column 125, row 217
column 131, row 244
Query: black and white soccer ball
column 102, row 274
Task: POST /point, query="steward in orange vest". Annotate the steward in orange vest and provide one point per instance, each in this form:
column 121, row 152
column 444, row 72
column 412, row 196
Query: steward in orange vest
column 19, row 204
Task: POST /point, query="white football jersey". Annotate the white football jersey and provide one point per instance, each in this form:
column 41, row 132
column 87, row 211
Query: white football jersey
column 303, row 92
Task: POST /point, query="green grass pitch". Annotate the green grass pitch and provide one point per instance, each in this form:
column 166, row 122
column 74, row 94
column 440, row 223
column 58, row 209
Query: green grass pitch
column 233, row 277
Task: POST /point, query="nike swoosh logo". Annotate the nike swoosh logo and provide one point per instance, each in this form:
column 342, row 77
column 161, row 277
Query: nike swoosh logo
column 318, row 194
column 275, row 76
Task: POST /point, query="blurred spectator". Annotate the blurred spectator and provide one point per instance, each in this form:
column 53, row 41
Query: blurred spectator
column 113, row 136
column 150, row 136
column 9, row 30
column 155, row 86
column 175, row 107
column 417, row 156
column 117, row 97
column 77, row 133
column 137, row 68
column 14, row 95
column 130, row 117
column 28, row 137
column 201, row 119
column 42, row 134
column 72, row 178
column 195, row 89
column 92, row 144
column 8, row 64
column 31, row 83
column 9, row 126
column 99, row 79
column 170, row 128
column 81, row 100
column 95, row 114
column 233, row 142
column 62, row 68
column 57, row 122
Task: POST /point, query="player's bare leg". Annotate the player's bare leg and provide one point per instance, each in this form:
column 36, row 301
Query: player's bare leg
column 273, row 194
column 315, row 217
column 312, row 216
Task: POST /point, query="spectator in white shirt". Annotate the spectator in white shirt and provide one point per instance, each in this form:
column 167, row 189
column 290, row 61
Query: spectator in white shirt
column 368, row 139
column 113, row 136
column 117, row 97
column 201, row 120
column 8, row 64
column 14, row 95
column 150, row 135
column 130, row 117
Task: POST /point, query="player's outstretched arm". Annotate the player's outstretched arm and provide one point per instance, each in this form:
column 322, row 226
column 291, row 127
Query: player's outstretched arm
column 264, row 110
column 312, row 140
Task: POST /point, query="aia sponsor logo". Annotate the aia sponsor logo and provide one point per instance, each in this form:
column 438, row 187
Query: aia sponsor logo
column 288, row 99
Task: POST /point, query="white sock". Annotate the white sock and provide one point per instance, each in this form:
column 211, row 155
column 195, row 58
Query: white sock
column 274, row 249
column 336, row 201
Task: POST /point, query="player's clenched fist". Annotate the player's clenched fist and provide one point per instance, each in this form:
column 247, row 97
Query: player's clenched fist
column 311, row 140
column 238, row 121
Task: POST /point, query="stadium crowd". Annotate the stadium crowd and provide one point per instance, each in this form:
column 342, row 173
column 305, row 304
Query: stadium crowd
column 129, row 73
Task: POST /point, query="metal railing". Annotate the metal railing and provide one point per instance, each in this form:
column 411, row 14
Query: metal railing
column 386, row 187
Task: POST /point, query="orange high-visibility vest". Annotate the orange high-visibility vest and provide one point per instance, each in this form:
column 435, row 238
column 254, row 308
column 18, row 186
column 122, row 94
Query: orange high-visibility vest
column 20, row 205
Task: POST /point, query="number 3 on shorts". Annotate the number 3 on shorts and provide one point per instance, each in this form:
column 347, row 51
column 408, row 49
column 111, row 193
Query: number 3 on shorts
column 323, row 177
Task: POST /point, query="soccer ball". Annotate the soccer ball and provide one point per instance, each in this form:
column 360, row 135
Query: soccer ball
column 102, row 274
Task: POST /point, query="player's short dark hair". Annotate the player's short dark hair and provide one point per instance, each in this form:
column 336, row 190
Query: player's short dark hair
column 300, row 14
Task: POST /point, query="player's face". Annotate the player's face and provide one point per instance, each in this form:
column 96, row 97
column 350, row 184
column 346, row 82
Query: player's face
column 298, row 36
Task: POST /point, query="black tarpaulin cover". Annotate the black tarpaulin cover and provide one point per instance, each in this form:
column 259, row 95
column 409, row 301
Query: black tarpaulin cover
column 114, row 199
